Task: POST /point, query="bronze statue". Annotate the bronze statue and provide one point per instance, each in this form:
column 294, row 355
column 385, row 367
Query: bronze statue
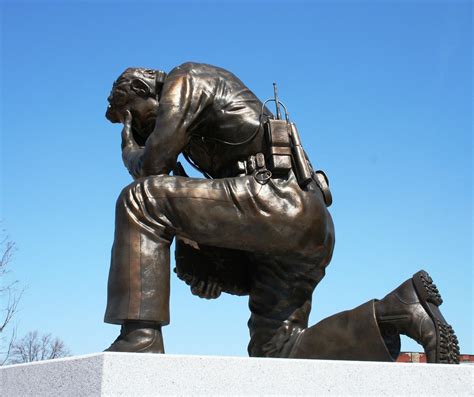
column 257, row 225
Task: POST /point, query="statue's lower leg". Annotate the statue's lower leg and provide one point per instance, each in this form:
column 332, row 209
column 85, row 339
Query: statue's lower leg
column 138, row 288
column 372, row 330
column 348, row 335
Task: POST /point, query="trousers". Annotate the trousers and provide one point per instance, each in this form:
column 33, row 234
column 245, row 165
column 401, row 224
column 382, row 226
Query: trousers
column 286, row 231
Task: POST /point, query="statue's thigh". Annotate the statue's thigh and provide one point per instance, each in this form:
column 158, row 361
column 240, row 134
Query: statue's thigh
column 218, row 212
column 239, row 213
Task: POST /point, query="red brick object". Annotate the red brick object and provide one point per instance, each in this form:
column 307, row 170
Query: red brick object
column 414, row 357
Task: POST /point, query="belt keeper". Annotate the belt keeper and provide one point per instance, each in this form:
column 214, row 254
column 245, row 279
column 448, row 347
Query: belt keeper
column 241, row 168
column 251, row 165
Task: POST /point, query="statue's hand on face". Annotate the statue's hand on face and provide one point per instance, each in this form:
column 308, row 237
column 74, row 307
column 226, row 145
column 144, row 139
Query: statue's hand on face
column 124, row 115
column 138, row 98
column 127, row 136
column 144, row 111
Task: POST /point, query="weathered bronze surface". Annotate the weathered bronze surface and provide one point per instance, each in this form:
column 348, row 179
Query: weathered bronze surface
column 257, row 225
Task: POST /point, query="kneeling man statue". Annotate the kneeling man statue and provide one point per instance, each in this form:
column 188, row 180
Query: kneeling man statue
column 256, row 225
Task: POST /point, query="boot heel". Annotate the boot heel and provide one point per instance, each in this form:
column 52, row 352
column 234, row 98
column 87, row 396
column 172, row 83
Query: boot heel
column 447, row 345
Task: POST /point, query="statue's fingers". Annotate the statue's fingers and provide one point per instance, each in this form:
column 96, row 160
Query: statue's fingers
column 201, row 286
column 213, row 289
column 216, row 292
column 209, row 289
column 127, row 121
column 196, row 288
column 188, row 279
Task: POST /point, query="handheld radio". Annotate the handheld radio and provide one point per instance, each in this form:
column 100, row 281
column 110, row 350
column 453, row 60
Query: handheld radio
column 284, row 146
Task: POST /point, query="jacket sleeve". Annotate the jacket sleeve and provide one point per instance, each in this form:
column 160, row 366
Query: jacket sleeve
column 181, row 102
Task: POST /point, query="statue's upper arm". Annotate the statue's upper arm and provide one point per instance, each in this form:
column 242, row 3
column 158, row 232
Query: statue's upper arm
column 170, row 135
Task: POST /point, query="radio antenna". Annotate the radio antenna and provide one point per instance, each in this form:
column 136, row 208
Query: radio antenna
column 277, row 102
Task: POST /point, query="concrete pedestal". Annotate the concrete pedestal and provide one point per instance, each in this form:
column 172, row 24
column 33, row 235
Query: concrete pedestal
column 126, row 374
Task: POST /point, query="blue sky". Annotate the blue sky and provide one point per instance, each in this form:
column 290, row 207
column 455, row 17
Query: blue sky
column 382, row 96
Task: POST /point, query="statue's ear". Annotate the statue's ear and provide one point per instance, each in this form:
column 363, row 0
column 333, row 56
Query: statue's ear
column 140, row 87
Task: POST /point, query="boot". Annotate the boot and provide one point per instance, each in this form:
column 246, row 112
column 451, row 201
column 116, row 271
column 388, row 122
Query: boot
column 138, row 337
column 412, row 310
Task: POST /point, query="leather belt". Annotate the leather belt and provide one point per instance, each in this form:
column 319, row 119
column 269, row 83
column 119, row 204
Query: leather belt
column 254, row 165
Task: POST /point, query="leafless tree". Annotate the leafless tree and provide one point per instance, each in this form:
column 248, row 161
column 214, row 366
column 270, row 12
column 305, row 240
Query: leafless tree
column 34, row 347
column 9, row 294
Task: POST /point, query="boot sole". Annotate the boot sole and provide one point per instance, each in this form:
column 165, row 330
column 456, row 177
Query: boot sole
column 447, row 345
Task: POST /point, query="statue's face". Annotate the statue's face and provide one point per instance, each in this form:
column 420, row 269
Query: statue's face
column 143, row 108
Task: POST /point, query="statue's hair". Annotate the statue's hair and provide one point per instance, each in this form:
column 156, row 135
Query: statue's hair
column 121, row 89
column 132, row 73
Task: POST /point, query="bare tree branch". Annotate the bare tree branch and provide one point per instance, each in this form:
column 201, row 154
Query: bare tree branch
column 11, row 307
column 10, row 295
column 6, row 354
column 34, row 347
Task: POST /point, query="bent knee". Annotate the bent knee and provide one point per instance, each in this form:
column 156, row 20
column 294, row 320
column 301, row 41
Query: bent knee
column 130, row 196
